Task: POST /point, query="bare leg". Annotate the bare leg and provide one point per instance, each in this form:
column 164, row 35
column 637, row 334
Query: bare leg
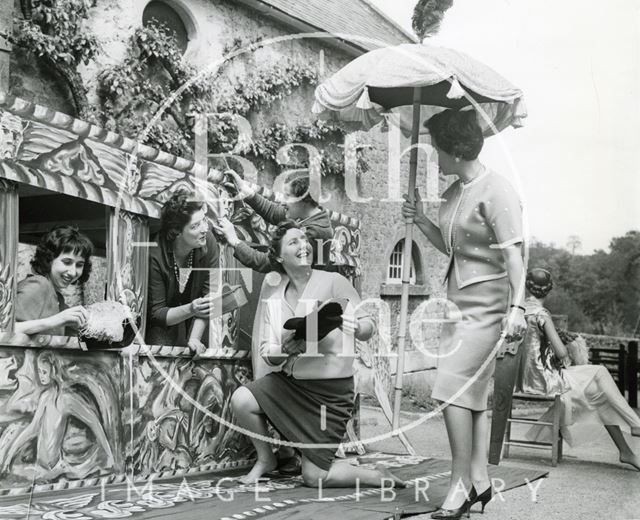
column 603, row 391
column 343, row 475
column 626, row 454
column 459, row 430
column 479, row 453
column 250, row 417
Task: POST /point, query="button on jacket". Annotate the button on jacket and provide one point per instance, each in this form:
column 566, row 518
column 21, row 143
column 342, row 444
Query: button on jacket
column 477, row 221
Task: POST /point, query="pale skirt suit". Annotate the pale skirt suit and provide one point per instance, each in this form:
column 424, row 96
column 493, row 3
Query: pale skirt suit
column 477, row 221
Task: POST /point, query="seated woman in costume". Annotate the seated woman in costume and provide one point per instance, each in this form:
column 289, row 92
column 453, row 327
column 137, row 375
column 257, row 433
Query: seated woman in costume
column 589, row 393
column 309, row 390
column 62, row 258
column 179, row 300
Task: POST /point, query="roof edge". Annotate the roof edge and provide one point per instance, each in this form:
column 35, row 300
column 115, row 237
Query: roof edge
column 275, row 13
column 391, row 21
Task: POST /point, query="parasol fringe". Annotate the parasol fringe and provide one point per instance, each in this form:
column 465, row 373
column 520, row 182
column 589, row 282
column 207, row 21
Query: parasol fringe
column 364, row 103
column 456, row 91
column 519, row 113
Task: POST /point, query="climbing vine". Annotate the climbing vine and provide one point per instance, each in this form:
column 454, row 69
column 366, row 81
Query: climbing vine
column 55, row 32
column 133, row 92
column 154, row 94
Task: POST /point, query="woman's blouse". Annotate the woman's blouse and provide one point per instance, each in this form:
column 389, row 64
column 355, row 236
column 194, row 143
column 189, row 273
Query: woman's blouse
column 477, row 220
column 335, row 352
column 164, row 293
column 540, row 373
column 37, row 298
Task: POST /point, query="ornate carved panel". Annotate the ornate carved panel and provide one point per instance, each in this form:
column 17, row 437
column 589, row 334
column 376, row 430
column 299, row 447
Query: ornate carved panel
column 128, row 261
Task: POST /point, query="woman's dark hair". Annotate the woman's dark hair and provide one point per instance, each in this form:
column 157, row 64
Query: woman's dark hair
column 539, row 282
column 457, row 132
column 299, row 188
column 62, row 239
column 176, row 213
column 276, row 241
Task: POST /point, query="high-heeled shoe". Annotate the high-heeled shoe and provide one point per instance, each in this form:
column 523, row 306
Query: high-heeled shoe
column 453, row 514
column 484, row 498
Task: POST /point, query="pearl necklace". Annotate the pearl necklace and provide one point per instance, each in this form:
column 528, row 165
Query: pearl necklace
column 182, row 276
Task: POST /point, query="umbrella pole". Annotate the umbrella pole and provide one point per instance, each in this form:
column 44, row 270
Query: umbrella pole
column 406, row 260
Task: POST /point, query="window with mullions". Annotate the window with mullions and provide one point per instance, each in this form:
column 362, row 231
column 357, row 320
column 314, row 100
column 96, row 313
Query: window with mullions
column 394, row 270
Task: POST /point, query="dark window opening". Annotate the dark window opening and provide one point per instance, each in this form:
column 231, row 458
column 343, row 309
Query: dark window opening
column 157, row 12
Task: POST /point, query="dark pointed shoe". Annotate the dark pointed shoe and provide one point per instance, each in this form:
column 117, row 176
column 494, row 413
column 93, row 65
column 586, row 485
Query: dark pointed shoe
column 453, row 514
column 484, row 498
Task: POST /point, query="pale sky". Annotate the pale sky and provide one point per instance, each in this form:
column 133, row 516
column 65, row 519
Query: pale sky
column 578, row 62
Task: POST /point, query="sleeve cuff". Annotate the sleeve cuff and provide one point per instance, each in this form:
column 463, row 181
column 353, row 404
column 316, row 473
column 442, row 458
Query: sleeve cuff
column 508, row 243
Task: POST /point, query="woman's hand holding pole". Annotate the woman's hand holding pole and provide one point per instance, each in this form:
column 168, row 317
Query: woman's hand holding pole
column 429, row 229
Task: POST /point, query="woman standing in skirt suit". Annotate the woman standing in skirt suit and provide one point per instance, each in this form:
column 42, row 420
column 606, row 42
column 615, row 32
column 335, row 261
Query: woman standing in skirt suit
column 310, row 399
column 480, row 229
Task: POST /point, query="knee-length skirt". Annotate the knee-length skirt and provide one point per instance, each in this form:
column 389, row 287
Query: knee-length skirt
column 463, row 375
column 307, row 411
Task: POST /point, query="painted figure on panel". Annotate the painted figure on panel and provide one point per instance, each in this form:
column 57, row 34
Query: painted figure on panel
column 60, row 421
column 180, row 428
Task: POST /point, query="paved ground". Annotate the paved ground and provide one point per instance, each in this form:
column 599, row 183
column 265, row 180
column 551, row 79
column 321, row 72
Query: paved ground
column 589, row 483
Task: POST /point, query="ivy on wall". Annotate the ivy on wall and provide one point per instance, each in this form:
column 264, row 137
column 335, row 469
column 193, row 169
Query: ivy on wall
column 132, row 95
column 53, row 31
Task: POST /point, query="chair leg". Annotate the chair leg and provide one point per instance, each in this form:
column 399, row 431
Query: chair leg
column 555, row 440
column 560, row 442
column 507, row 435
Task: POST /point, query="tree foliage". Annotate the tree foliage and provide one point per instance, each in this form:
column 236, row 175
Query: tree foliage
column 600, row 292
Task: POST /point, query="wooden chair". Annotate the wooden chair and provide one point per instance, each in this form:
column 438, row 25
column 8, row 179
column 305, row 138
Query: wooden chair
column 556, row 435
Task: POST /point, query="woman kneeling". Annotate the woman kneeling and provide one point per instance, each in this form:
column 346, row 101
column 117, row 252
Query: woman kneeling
column 310, row 399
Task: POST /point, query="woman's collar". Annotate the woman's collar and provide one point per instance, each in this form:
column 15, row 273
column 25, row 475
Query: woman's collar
column 475, row 180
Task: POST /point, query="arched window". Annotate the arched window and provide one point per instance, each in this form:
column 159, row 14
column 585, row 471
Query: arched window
column 394, row 270
column 164, row 13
